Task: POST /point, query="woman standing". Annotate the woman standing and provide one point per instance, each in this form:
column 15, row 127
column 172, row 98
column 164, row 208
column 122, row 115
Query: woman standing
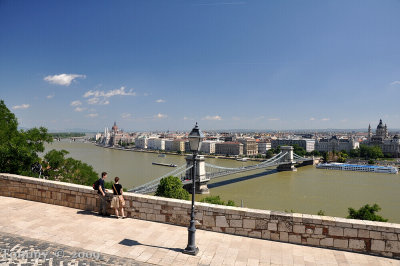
column 118, row 199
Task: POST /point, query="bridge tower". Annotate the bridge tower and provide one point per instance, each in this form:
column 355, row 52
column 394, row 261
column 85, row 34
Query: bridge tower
column 201, row 177
column 288, row 161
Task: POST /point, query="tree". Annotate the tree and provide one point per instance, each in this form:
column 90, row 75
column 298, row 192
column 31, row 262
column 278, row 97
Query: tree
column 366, row 213
column 171, row 187
column 57, row 167
column 217, row 200
column 18, row 148
column 299, row 150
column 269, row 154
column 368, row 152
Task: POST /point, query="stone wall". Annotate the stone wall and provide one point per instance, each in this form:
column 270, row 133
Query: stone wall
column 323, row 231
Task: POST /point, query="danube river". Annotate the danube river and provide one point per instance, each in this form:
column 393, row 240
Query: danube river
column 306, row 191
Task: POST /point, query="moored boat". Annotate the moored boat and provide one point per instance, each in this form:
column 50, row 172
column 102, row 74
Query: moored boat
column 359, row 168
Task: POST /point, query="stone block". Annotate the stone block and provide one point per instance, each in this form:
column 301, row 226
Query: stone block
column 375, row 235
column 318, row 231
column 275, row 236
column 230, row 230
column 236, row 223
column 341, row 243
column 272, row 226
column 248, row 223
column 256, row 234
column 392, row 246
column 297, row 217
column 299, row 229
column 328, row 220
column 389, row 236
column 241, row 232
column 285, row 227
column 209, row 221
column 350, row 232
column 294, row 238
column 335, row 231
column 265, row 234
column 284, row 236
column 342, row 222
column 160, row 218
column 220, row 221
column 362, row 233
column 327, row 242
column 261, row 224
column 357, row 244
column 313, row 241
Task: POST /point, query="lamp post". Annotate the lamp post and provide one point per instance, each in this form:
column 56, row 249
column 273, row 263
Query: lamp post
column 195, row 138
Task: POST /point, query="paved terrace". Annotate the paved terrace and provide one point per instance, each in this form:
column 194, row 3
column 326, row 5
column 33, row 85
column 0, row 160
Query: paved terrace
column 133, row 241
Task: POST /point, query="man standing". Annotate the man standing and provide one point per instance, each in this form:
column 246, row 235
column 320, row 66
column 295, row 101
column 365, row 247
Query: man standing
column 102, row 195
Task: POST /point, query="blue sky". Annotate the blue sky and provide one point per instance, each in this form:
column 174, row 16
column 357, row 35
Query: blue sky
column 158, row 65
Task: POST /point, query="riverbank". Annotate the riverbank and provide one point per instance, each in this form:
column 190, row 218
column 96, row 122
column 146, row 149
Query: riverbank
column 179, row 154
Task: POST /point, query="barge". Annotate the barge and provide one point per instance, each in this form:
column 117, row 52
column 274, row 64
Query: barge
column 165, row 164
column 359, row 168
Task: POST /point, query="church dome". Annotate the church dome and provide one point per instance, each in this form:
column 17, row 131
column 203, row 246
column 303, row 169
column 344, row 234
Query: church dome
column 380, row 125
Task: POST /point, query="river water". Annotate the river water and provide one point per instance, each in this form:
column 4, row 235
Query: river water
column 306, row 191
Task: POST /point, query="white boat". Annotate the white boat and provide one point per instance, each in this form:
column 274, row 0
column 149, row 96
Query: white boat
column 242, row 159
column 359, row 168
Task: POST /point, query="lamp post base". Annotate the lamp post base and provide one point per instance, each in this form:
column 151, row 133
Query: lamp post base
column 191, row 251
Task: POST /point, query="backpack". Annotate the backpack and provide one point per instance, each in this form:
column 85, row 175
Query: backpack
column 96, row 185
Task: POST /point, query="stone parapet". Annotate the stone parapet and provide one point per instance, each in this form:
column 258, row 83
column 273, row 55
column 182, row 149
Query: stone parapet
column 369, row 237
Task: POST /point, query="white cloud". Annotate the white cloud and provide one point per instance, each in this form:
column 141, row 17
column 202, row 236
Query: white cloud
column 22, row 106
column 312, row 119
column 216, row 117
column 100, row 97
column 396, row 82
column 126, row 115
column 76, row 103
column 63, row 79
column 325, row 119
column 93, row 115
column 160, row 101
column 160, row 115
column 79, row 109
column 50, row 96
column 273, row 119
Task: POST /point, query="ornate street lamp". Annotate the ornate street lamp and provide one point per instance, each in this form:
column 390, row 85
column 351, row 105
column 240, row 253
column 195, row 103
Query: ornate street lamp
column 195, row 138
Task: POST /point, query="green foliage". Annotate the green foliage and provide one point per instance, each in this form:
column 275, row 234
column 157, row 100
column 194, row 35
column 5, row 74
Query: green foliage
column 269, row 154
column 171, row 187
column 57, row 167
column 366, row 213
column 217, row 200
column 19, row 148
column 321, row 212
column 370, row 161
column 299, row 150
column 367, row 152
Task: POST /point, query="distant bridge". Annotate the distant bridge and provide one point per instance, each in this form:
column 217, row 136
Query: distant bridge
column 285, row 161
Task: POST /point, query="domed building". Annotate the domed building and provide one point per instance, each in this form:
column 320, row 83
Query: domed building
column 389, row 146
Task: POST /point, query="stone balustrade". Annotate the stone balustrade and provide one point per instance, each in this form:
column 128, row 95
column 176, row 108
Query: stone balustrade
column 323, row 231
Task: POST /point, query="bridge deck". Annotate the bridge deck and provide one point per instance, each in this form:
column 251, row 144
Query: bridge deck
column 156, row 243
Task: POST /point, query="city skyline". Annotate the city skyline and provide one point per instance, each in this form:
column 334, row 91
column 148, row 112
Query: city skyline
column 227, row 65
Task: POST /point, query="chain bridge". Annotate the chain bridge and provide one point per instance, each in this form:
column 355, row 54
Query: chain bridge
column 285, row 161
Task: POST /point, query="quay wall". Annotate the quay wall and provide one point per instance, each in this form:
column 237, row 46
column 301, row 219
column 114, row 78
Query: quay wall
column 368, row 237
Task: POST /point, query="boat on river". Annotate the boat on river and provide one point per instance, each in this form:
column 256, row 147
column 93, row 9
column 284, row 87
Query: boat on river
column 359, row 168
column 165, row 164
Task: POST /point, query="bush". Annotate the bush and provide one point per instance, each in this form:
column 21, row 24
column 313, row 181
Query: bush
column 217, row 200
column 366, row 213
column 171, row 187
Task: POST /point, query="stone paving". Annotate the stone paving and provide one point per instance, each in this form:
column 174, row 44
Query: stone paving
column 29, row 225
column 17, row 250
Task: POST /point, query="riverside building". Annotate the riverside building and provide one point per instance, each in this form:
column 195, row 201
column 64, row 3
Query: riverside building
column 229, row 148
column 389, row 145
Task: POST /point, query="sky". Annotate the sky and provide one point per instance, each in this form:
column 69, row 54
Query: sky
column 226, row 64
